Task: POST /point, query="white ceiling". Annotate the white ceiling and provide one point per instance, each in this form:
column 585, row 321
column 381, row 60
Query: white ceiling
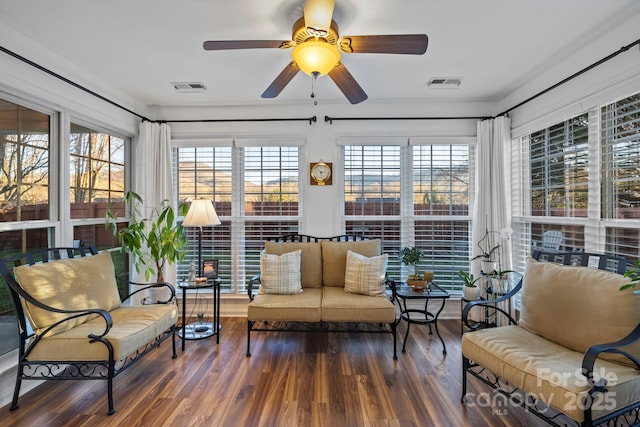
column 137, row 47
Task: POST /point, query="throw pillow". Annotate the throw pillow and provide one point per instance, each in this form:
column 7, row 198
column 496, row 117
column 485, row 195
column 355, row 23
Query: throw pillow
column 280, row 274
column 334, row 258
column 365, row 275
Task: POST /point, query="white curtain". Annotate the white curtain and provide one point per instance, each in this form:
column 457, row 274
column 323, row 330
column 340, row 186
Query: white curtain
column 152, row 172
column 492, row 189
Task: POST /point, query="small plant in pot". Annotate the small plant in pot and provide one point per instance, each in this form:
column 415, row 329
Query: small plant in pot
column 471, row 291
column 488, row 253
column 500, row 281
column 633, row 273
column 411, row 257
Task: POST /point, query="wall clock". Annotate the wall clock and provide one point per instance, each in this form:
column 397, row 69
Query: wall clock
column 321, row 173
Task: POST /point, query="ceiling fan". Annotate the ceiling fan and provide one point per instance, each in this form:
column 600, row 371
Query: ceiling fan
column 317, row 46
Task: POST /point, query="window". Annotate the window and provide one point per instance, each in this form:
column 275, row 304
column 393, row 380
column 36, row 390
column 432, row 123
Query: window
column 24, row 195
column 584, row 181
column 24, row 178
column 559, row 166
column 620, row 159
column 412, row 195
column 254, row 186
column 97, row 183
column 620, row 137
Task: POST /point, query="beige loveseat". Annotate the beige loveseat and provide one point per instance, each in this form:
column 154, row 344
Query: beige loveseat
column 555, row 359
column 325, row 297
column 72, row 322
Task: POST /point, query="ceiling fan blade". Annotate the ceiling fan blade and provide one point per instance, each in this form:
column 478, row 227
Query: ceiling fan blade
column 318, row 15
column 246, row 44
column 347, row 84
column 411, row 44
column 281, row 81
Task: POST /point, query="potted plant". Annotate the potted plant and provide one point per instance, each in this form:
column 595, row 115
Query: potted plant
column 152, row 242
column 633, row 273
column 471, row 291
column 500, row 281
column 488, row 253
column 411, row 257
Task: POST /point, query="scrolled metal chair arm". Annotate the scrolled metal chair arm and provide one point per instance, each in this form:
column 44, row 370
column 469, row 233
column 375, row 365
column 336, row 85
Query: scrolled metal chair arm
column 255, row 280
column 489, row 304
column 147, row 286
column 592, row 353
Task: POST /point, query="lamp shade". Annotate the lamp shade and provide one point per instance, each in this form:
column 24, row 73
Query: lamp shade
column 201, row 213
column 316, row 56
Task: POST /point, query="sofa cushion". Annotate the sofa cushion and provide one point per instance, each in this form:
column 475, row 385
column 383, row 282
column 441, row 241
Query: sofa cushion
column 133, row 327
column 334, row 258
column 578, row 307
column 341, row 306
column 547, row 370
column 302, row 307
column 69, row 284
column 280, row 274
column 365, row 275
column 310, row 260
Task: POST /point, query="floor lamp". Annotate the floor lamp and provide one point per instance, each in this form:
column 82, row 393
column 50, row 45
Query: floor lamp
column 201, row 213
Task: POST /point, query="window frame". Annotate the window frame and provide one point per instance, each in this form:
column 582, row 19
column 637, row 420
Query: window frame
column 407, row 218
column 239, row 267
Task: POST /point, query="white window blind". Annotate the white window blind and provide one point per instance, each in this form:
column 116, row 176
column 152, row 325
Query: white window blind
column 255, row 193
column 559, row 169
column 620, row 138
column 206, row 172
column 412, row 195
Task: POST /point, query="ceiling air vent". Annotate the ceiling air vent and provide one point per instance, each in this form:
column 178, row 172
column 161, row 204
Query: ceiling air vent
column 188, row 87
column 444, row 82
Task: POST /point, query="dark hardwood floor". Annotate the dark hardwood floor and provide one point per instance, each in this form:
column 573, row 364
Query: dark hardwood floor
column 291, row 379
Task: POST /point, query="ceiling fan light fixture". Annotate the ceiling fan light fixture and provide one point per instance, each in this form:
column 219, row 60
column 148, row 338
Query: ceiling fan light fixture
column 316, row 56
column 317, row 16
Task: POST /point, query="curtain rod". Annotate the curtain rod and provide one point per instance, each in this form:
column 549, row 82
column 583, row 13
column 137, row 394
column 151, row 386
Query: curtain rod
column 311, row 120
column 573, row 76
column 115, row 104
column 71, row 82
column 330, row 120
column 506, row 112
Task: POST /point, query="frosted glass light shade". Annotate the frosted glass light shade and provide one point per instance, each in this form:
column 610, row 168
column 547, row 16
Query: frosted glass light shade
column 316, row 56
column 201, row 213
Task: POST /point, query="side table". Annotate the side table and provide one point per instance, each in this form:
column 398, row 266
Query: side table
column 201, row 330
column 421, row 316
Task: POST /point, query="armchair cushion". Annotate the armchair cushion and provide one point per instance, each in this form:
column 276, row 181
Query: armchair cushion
column 133, row 327
column 551, row 372
column 589, row 303
column 68, row 284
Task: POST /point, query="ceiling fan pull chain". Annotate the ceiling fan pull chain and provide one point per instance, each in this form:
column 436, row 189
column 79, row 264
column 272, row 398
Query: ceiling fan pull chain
column 314, row 77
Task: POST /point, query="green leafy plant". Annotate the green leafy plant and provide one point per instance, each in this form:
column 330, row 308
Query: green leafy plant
column 411, row 257
column 154, row 241
column 467, row 279
column 633, row 274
